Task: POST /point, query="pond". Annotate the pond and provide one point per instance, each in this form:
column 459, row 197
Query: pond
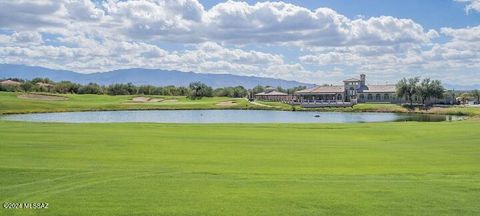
column 223, row 116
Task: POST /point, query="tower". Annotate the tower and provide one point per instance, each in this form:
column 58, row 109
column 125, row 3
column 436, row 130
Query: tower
column 362, row 79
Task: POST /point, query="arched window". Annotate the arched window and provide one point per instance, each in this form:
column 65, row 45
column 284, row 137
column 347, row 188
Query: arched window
column 370, row 97
column 362, row 97
column 386, row 97
column 378, row 97
column 339, row 97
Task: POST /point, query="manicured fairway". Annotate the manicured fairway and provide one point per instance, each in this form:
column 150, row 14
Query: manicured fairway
column 233, row 169
column 11, row 103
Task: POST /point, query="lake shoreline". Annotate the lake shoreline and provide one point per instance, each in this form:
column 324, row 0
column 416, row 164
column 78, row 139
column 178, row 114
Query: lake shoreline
column 10, row 103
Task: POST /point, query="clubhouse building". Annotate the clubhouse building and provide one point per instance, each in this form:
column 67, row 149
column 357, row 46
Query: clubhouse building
column 353, row 90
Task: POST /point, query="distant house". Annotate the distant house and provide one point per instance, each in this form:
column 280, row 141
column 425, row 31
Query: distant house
column 10, row 82
column 270, row 94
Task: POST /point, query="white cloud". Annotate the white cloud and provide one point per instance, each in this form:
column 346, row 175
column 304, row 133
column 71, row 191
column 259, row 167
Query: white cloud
column 278, row 22
column 114, row 34
column 471, row 5
column 232, row 22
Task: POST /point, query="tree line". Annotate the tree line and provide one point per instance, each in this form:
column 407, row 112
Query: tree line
column 194, row 90
column 424, row 89
column 428, row 89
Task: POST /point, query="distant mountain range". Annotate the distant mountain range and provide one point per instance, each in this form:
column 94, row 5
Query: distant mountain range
column 139, row 76
column 461, row 87
column 157, row 77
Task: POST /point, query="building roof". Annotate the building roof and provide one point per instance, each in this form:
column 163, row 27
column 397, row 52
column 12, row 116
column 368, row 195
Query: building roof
column 9, row 82
column 322, row 89
column 272, row 93
column 352, row 80
column 380, row 89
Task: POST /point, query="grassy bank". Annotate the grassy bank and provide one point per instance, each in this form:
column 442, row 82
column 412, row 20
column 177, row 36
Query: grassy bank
column 241, row 169
column 395, row 108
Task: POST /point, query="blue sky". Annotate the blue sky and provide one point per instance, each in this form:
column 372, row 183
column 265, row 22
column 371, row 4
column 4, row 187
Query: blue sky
column 321, row 41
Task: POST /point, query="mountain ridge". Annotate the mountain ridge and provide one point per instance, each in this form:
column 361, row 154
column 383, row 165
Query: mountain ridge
column 142, row 76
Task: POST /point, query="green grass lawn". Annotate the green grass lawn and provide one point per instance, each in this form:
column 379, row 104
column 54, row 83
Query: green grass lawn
column 242, row 169
column 10, row 103
column 236, row 169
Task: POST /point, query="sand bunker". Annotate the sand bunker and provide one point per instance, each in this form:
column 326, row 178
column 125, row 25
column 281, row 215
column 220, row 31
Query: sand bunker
column 146, row 100
column 42, row 97
column 227, row 103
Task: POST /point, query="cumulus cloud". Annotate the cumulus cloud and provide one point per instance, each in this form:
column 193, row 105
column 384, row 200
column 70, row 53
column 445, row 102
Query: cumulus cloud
column 232, row 22
column 471, row 5
column 87, row 36
column 282, row 22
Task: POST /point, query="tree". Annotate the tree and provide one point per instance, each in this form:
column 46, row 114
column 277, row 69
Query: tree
column 199, row 90
column 407, row 88
column 451, row 96
column 280, row 89
column 27, row 86
column 91, row 88
column 257, row 89
column 476, row 93
column 146, row 89
column 437, row 89
column 239, row 92
column 65, row 87
column 118, row 89
column 295, row 89
column 430, row 89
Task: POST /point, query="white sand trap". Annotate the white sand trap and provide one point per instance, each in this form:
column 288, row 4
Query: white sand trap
column 146, row 100
column 42, row 97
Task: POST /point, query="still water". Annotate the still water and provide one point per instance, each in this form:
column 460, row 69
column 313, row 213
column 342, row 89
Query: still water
column 223, row 116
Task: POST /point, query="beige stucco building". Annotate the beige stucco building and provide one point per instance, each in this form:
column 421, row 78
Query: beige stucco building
column 353, row 90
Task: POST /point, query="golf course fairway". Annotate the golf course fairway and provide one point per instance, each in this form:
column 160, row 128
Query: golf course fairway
column 396, row 168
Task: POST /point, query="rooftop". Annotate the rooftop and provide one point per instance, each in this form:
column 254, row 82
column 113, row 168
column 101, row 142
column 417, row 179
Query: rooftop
column 272, row 93
column 9, row 82
column 322, row 89
column 352, row 80
column 380, row 89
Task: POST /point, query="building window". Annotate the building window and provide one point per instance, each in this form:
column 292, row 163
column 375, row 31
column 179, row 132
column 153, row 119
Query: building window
column 339, row 97
column 370, row 97
column 386, row 97
column 378, row 97
column 362, row 97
